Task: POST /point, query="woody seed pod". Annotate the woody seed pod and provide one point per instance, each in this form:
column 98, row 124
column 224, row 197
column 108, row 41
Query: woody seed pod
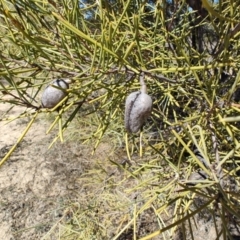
column 53, row 95
column 138, row 108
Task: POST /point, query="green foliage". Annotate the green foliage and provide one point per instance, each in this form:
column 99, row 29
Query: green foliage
column 103, row 46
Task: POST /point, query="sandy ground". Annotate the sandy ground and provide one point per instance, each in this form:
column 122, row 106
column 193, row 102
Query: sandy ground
column 36, row 184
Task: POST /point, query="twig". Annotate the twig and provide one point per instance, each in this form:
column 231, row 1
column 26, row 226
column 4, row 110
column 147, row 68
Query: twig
column 215, row 147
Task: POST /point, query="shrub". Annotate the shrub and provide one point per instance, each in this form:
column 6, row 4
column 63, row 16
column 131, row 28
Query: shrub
column 190, row 58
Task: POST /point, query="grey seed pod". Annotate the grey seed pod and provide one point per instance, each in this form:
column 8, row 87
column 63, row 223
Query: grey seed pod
column 138, row 108
column 53, row 95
